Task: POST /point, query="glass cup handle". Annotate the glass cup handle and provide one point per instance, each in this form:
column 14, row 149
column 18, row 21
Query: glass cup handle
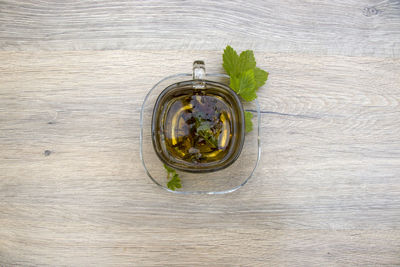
column 199, row 73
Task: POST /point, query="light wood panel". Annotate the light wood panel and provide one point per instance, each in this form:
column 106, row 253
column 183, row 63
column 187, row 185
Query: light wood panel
column 73, row 192
column 352, row 27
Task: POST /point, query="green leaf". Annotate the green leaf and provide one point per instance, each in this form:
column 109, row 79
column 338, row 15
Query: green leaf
column 248, row 123
column 246, row 61
column 245, row 77
column 244, row 85
column 210, row 139
column 234, row 64
column 231, row 61
column 203, row 129
column 203, row 126
column 175, row 182
column 169, row 169
column 260, row 76
column 243, row 81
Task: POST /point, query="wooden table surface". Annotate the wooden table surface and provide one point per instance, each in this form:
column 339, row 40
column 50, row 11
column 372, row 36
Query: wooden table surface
column 73, row 192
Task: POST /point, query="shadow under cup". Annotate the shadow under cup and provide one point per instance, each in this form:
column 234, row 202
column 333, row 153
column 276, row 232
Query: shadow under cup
column 198, row 126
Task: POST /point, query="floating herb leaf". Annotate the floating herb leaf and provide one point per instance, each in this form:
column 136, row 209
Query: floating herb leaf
column 203, row 129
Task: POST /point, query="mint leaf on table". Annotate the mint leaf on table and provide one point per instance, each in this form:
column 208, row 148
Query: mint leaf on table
column 245, row 85
column 169, row 169
column 246, row 61
column 246, row 78
column 231, row 61
column 174, row 180
column 234, row 64
column 249, row 125
column 260, row 76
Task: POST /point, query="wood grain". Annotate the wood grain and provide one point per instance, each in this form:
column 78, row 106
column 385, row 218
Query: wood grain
column 73, row 192
column 352, row 27
column 73, row 75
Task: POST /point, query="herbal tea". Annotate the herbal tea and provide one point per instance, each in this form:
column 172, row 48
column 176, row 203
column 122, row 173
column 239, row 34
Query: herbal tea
column 198, row 129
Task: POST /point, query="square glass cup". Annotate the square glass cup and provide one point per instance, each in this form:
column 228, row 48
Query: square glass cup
column 197, row 127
